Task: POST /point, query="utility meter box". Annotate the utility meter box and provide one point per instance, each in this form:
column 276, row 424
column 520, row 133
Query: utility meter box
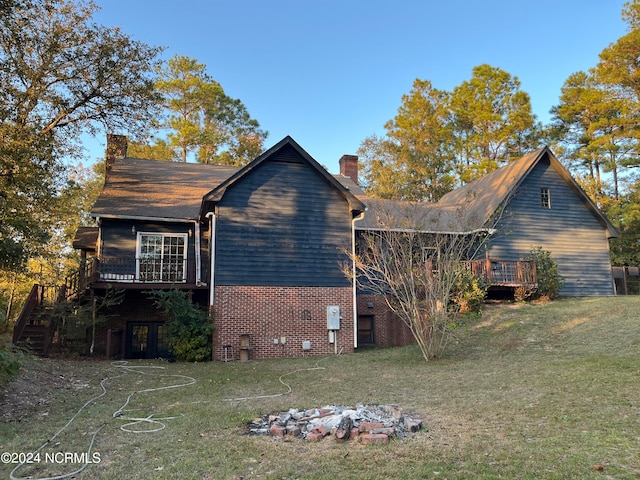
column 333, row 317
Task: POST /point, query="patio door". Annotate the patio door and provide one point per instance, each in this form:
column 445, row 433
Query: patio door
column 146, row 340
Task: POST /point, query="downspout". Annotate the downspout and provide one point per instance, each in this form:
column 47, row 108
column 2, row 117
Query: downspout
column 353, row 262
column 196, row 233
column 212, row 256
column 99, row 239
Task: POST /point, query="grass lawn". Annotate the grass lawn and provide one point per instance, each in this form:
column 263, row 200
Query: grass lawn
column 546, row 391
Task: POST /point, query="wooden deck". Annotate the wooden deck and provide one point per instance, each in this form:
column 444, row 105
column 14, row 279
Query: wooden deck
column 505, row 273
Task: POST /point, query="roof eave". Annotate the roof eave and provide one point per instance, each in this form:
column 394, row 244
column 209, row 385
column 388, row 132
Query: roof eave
column 144, row 218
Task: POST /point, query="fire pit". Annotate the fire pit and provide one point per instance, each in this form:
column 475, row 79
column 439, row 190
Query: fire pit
column 363, row 423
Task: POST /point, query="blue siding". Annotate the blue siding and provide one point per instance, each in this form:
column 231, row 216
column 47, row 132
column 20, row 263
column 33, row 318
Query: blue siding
column 282, row 224
column 573, row 235
column 119, row 243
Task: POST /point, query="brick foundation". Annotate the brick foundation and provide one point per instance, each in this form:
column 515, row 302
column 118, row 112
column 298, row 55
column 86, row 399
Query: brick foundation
column 267, row 313
column 297, row 314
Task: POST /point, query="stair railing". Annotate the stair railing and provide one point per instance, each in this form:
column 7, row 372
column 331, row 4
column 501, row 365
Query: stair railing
column 34, row 300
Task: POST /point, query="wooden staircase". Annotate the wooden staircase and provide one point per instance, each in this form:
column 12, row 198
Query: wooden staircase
column 35, row 338
column 35, row 326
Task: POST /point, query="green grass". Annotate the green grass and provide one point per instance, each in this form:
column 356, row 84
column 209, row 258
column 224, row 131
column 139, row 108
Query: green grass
column 544, row 391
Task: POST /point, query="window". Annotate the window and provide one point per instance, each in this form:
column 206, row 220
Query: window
column 161, row 257
column 545, row 197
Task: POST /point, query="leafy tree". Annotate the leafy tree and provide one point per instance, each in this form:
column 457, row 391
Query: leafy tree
column 202, row 119
column 493, row 121
column 62, row 70
column 598, row 118
column 590, row 121
column 625, row 250
column 379, row 176
column 157, row 149
column 439, row 139
column 619, row 64
column 415, row 160
column 61, row 75
column 29, row 182
column 619, row 72
column 189, row 327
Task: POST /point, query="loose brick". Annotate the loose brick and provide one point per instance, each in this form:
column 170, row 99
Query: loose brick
column 320, row 429
column 368, row 426
column 374, row 439
column 355, row 433
column 277, row 431
column 388, row 431
column 314, row 436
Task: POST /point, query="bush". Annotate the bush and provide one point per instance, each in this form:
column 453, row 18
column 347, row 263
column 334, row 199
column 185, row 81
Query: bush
column 11, row 358
column 189, row 327
column 469, row 292
column 549, row 280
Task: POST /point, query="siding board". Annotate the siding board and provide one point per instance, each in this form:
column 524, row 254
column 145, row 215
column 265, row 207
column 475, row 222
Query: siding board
column 575, row 238
column 282, row 225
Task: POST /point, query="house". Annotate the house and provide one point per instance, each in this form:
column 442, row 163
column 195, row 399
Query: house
column 531, row 202
column 264, row 247
column 261, row 246
column 534, row 201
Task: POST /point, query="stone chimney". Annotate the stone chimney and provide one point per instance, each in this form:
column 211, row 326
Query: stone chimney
column 349, row 167
column 116, row 150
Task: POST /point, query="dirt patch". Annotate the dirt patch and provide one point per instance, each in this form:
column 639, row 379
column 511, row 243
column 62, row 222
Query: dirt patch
column 40, row 383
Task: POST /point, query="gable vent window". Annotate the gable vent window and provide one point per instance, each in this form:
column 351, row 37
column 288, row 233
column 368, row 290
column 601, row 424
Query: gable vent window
column 545, row 198
column 161, row 257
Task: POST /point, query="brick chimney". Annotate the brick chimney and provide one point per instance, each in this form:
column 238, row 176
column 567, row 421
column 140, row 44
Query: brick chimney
column 349, row 167
column 116, row 150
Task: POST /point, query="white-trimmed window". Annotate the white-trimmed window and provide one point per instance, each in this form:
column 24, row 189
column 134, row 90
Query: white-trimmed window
column 161, row 257
column 545, row 197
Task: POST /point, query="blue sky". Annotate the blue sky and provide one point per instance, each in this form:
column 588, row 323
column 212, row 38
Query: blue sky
column 330, row 73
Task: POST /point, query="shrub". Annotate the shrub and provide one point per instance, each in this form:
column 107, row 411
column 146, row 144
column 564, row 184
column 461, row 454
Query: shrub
column 189, row 327
column 469, row 292
column 10, row 359
column 549, row 280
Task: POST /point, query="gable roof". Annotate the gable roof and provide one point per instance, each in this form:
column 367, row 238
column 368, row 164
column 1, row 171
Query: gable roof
column 470, row 207
column 216, row 194
column 174, row 191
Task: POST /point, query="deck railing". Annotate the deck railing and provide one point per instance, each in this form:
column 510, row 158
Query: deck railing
column 132, row 270
column 505, row 273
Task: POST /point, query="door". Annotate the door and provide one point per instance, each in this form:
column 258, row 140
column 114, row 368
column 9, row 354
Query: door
column 146, row 340
column 365, row 330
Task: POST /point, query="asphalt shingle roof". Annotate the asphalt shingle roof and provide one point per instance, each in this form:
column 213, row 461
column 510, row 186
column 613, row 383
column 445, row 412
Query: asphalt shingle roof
column 471, row 206
column 137, row 188
column 140, row 188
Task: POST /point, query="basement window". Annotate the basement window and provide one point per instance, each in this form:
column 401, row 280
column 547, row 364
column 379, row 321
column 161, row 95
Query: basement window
column 161, row 257
column 545, row 197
